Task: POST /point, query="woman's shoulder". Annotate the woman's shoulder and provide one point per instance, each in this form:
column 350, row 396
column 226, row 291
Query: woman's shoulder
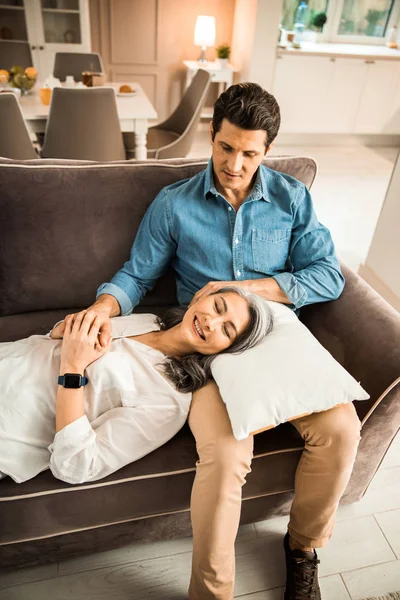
column 134, row 324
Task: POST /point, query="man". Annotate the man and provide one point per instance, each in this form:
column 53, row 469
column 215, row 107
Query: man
column 242, row 223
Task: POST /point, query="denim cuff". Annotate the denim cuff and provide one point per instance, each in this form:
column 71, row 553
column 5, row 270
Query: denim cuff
column 122, row 298
column 296, row 293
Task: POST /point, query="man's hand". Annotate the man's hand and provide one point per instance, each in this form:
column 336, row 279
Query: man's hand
column 267, row 288
column 213, row 286
column 98, row 317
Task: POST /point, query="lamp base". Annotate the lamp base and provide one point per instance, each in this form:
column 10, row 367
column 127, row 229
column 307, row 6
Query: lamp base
column 202, row 57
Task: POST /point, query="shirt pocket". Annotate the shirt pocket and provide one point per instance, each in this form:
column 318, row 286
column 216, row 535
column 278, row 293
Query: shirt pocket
column 270, row 248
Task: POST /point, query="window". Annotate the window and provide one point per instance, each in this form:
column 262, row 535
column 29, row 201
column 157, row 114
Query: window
column 348, row 21
column 315, row 7
column 365, row 17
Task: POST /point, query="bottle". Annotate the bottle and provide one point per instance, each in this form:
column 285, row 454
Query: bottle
column 391, row 40
column 300, row 20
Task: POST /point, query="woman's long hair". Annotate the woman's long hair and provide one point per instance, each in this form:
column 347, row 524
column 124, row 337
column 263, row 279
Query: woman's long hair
column 191, row 372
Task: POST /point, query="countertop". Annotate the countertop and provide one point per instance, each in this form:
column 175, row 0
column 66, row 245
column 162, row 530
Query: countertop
column 342, row 50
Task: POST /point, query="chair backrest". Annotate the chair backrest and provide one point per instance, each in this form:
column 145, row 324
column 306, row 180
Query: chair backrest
column 185, row 118
column 73, row 63
column 15, row 53
column 14, row 137
column 83, row 124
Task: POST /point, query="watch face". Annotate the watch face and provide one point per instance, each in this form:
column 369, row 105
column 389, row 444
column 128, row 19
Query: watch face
column 72, row 380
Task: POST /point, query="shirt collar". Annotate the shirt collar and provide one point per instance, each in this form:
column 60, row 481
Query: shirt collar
column 259, row 191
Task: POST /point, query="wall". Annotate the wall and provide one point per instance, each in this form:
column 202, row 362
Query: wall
column 382, row 266
column 255, row 38
column 147, row 40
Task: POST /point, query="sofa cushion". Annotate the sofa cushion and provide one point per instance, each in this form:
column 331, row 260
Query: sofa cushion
column 69, row 226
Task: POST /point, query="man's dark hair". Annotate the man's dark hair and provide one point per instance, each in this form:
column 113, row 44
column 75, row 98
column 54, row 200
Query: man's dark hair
column 249, row 106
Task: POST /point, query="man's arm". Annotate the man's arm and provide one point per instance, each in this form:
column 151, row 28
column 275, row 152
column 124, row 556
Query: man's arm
column 316, row 275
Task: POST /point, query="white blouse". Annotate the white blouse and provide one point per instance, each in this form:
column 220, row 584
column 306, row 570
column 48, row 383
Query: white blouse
column 131, row 408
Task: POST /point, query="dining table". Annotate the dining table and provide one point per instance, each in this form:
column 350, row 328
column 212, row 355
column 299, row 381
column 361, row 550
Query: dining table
column 134, row 112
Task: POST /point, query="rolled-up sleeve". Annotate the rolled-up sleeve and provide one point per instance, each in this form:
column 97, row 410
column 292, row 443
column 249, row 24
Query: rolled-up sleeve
column 152, row 251
column 84, row 451
column 316, row 274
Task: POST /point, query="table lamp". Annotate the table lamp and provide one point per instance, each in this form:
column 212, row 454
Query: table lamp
column 204, row 35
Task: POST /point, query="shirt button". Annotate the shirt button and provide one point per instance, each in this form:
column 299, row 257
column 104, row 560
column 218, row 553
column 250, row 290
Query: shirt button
column 238, row 273
column 229, row 207
column 236, row 241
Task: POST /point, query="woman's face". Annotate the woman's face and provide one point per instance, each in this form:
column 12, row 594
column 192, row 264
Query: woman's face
column 213, row 323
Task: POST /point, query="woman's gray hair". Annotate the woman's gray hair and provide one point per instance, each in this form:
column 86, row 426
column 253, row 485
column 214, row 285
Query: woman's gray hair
column 191, row 372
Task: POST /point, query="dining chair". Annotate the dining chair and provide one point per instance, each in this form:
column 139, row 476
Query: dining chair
column 15, row 53
column 174, row 137
column 83, row 124
column 14, row 137
column 73, row 63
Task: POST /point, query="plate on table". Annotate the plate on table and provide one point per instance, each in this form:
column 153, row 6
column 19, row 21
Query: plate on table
column 126, row 94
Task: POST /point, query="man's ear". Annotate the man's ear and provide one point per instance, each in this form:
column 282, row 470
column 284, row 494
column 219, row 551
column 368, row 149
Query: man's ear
column 211, row 133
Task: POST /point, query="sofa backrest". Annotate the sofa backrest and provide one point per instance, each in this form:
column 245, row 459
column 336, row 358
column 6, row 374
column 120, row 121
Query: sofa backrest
column 67, row 226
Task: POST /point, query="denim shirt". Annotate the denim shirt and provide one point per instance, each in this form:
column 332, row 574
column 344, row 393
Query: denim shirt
column 192, row 227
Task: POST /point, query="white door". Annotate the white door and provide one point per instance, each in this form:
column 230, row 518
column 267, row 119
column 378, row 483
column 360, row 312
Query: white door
column 61, row 26
column 300, row 87
column 377, row 96
column 344, row 94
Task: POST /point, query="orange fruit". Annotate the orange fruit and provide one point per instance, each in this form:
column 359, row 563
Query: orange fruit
column 31, row 72
column 125, row 89
column 4, row 75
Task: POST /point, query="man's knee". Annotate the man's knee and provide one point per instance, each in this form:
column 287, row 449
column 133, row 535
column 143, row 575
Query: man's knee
column 338, row 429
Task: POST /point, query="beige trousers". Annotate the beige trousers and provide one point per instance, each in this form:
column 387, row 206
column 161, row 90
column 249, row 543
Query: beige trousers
column 331, row 441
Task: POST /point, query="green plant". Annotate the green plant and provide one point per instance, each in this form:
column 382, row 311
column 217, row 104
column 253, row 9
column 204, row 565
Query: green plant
column 223, row 51
column 319, row 20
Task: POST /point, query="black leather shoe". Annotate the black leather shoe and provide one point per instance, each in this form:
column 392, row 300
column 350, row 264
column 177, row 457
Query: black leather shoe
column 301, row 574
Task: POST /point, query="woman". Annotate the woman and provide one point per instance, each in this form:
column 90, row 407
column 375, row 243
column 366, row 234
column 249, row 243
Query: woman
column 138, row 389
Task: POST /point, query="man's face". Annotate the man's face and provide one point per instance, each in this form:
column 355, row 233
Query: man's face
column 237, row 153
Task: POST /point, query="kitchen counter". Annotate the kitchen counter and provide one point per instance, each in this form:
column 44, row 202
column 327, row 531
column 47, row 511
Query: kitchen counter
column 342, row 50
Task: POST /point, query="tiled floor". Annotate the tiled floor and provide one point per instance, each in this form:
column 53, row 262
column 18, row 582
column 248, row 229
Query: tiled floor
column 363, row 556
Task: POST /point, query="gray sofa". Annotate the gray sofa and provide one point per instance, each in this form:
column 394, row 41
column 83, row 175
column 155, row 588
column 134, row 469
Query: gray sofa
column 65, row 227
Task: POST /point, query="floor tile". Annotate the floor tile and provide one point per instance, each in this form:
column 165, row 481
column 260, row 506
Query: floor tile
column 355, row 544
column 333, row 588
column 164, row 578
column 260, row 565
column 376, row 500
column 275, row 594
column 27, row 575
column 140, row 552
column 271, row 526
column 385, row 477
column 389, row 522
column 373, row 581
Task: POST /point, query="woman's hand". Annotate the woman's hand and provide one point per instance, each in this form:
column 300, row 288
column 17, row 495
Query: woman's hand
column 80, row 346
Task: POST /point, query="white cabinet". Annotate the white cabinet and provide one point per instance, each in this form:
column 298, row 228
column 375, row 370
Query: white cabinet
column 300, row 89
column 48, row 26
column 338, row 95
column 377, row 95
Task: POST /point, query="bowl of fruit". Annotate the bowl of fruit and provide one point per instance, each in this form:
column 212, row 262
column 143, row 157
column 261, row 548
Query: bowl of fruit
column 23, row 79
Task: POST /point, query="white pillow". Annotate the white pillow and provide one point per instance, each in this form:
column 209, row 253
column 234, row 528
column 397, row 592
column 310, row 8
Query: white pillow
column 288, row 375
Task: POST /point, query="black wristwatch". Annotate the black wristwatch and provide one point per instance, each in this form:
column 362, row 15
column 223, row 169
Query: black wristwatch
column 72, row 380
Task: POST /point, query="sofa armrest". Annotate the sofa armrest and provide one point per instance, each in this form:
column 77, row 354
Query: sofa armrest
column 362, row 331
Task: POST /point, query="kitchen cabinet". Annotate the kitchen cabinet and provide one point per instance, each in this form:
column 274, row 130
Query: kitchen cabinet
column 47, row 26
column 338, row 95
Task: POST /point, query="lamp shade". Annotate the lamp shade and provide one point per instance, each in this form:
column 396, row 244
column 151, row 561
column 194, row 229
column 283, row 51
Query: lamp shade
column 204, row 32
